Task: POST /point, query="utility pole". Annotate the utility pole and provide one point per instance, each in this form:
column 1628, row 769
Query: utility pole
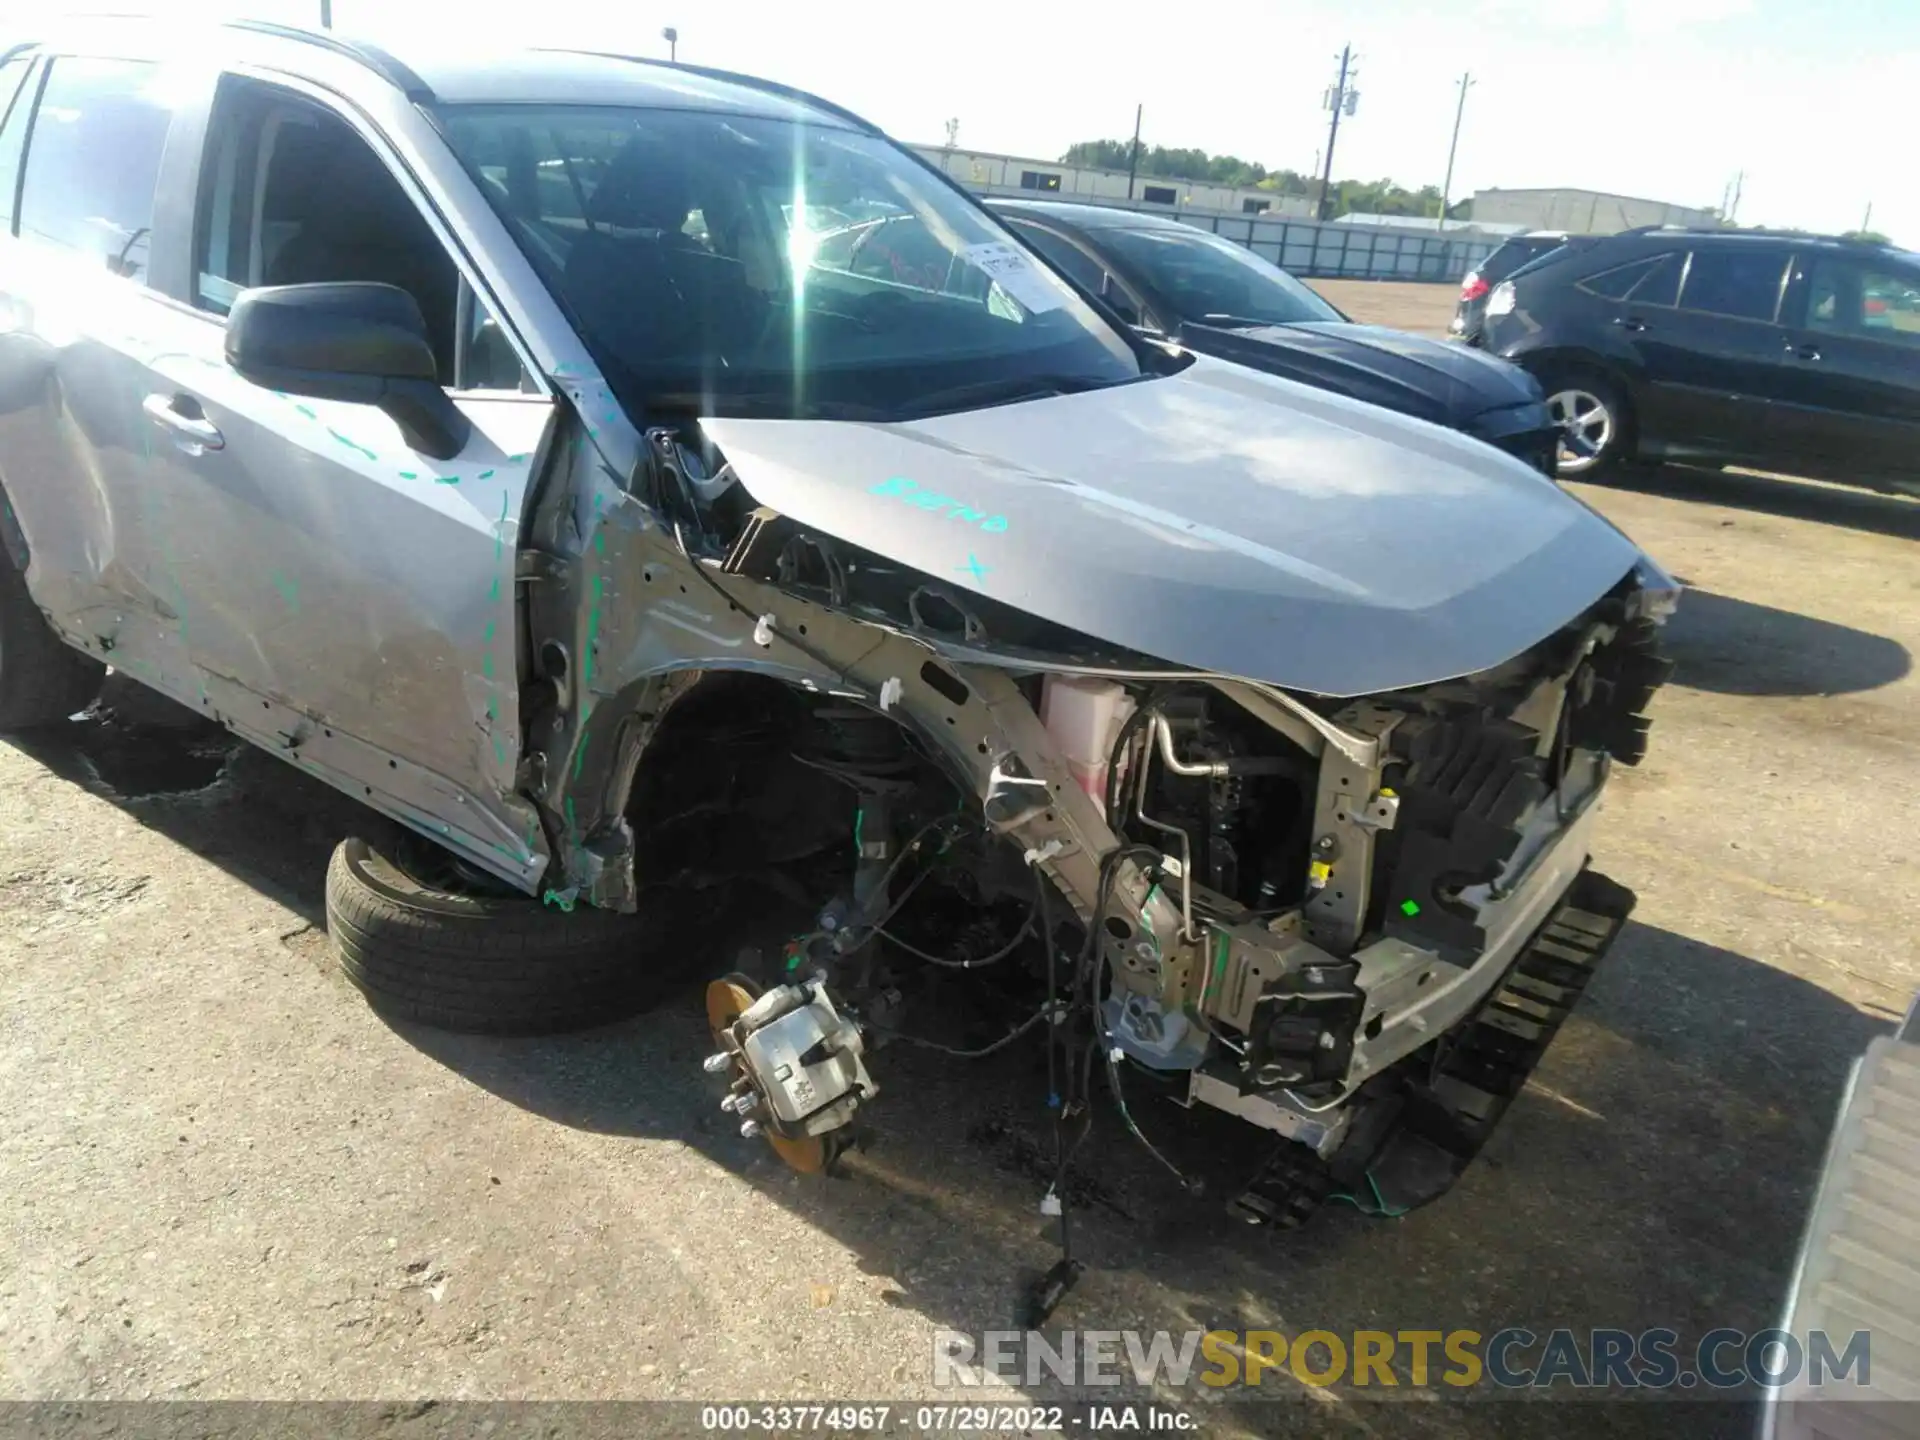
column 1133, row 155
column 1733, row 211
column 1866, row 221
column 1341, row 99
column 326, row 14
column 1446, row 186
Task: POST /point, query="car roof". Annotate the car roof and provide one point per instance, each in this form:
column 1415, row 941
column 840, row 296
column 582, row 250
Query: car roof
column 469, row 72
column 1087, row 217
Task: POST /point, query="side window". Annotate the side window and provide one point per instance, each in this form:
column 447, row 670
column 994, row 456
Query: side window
column 1652, row 281
column 18, row 100
column 292, row 195
column 1064, row 254
column 93, row 159
column 1739, row 282
column 1848, row 298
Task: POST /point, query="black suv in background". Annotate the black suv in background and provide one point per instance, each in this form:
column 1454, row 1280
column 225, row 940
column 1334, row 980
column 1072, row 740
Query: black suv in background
column 1469, row 315
column 1797, row 353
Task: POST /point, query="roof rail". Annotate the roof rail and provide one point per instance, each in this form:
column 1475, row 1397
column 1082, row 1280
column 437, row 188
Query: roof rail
column 732, row 77
column 1759, row 232
column 371, row 56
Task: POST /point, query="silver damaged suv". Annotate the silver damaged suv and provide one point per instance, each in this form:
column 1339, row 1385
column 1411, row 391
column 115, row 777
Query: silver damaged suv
column 647, row 483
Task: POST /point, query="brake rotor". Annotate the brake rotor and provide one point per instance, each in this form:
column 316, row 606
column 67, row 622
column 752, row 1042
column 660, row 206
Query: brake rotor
column 727, row 999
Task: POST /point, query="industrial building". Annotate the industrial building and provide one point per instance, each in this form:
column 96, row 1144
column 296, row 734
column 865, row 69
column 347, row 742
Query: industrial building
column 985, row 173
column 1581, row 212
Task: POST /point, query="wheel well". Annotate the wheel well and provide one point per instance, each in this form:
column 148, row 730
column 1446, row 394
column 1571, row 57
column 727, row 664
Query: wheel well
column 746, row 774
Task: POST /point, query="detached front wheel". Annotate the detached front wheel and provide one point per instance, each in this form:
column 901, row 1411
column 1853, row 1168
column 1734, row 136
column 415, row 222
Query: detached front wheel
column 423, row 944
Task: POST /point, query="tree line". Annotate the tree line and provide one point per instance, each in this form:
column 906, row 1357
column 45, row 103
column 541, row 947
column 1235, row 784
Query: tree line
column 1363, row 197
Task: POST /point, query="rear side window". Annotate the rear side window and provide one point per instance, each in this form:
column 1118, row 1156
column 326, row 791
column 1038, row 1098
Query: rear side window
column 16, row 101
column 1652, row 281
column 1512, row 255
column 93, row 159
column 1742, row 283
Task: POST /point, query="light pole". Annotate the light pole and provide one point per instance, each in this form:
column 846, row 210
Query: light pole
column 326, row 14
column 672, row 37
column 1133, row 155
column 1446, row 186
column 1341, row 99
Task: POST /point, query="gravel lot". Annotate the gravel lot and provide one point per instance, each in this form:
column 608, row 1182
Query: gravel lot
column 222, row 1176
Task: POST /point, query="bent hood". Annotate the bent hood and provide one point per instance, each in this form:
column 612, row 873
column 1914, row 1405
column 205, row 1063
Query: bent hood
column 1217, row 519
column 1447, row 384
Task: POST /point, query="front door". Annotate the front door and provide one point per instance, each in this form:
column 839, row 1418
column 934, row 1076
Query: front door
column 1853, row 411
column 343, row 597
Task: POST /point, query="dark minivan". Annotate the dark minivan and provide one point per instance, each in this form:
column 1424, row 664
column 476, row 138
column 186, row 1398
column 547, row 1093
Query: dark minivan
column 1797, row 353
column 1470, row 312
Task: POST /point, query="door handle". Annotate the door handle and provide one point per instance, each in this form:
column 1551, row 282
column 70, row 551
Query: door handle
column 1804, row 352
column 181, row 414
column 1628, row 322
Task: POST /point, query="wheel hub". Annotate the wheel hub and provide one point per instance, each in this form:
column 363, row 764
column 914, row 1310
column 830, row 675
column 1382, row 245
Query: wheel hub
column 1586, row 428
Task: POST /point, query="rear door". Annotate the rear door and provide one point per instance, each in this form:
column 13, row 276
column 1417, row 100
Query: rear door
column 1853, row 408
column 1715, row 362
column 79, row 310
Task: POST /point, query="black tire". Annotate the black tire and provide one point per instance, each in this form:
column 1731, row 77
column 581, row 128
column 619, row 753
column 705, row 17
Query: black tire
column 43, row 680
column 481, row 964
column 1621, row 436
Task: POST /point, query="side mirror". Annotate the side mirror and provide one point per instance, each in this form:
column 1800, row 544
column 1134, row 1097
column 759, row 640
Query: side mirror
column 358, row 342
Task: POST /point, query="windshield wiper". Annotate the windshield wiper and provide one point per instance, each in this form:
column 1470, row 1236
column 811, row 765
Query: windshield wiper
column 1003, row 390
column 1239, row 322
column 765, row 404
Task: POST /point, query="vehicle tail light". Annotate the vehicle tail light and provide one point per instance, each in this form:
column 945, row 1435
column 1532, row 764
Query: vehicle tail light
column 1500, row 302
column 1473, row 287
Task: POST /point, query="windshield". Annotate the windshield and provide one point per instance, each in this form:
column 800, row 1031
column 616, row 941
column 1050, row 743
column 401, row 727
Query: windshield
column 1206, row 278
column 724, row 264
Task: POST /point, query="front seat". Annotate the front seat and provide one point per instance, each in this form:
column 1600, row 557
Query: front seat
column 356, row 223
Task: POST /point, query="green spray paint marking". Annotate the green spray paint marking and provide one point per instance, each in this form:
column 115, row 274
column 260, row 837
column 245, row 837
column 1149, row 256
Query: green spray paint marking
column 487, row 638
column 859, row 819
column 599, row 543
column 500, row 528
column 1409, row 908
column 306, row 410
column 593, row 630
column 493, row 590
column 1219, row 966
column 446, row 479
column 289, row 590
column 580, row 759
column 352, row 444
column 486, row 665
column 572, row 827
column 517, row 459
column 484, row 475
column 499, row 756
column 409, row 475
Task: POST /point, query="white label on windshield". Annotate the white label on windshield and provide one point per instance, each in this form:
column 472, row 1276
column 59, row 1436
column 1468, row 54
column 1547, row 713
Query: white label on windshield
column 1014, row 273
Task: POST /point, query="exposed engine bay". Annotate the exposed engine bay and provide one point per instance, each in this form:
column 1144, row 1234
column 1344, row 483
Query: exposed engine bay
column 1353, row 923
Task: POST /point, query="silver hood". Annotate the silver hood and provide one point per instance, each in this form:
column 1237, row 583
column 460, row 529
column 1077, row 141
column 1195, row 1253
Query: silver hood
column 1218, row 519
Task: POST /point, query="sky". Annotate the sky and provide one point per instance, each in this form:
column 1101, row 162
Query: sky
column 1817, row 101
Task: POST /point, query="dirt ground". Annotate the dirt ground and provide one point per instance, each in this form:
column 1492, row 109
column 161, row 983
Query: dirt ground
column 1423, row 309
column 222, row 1176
